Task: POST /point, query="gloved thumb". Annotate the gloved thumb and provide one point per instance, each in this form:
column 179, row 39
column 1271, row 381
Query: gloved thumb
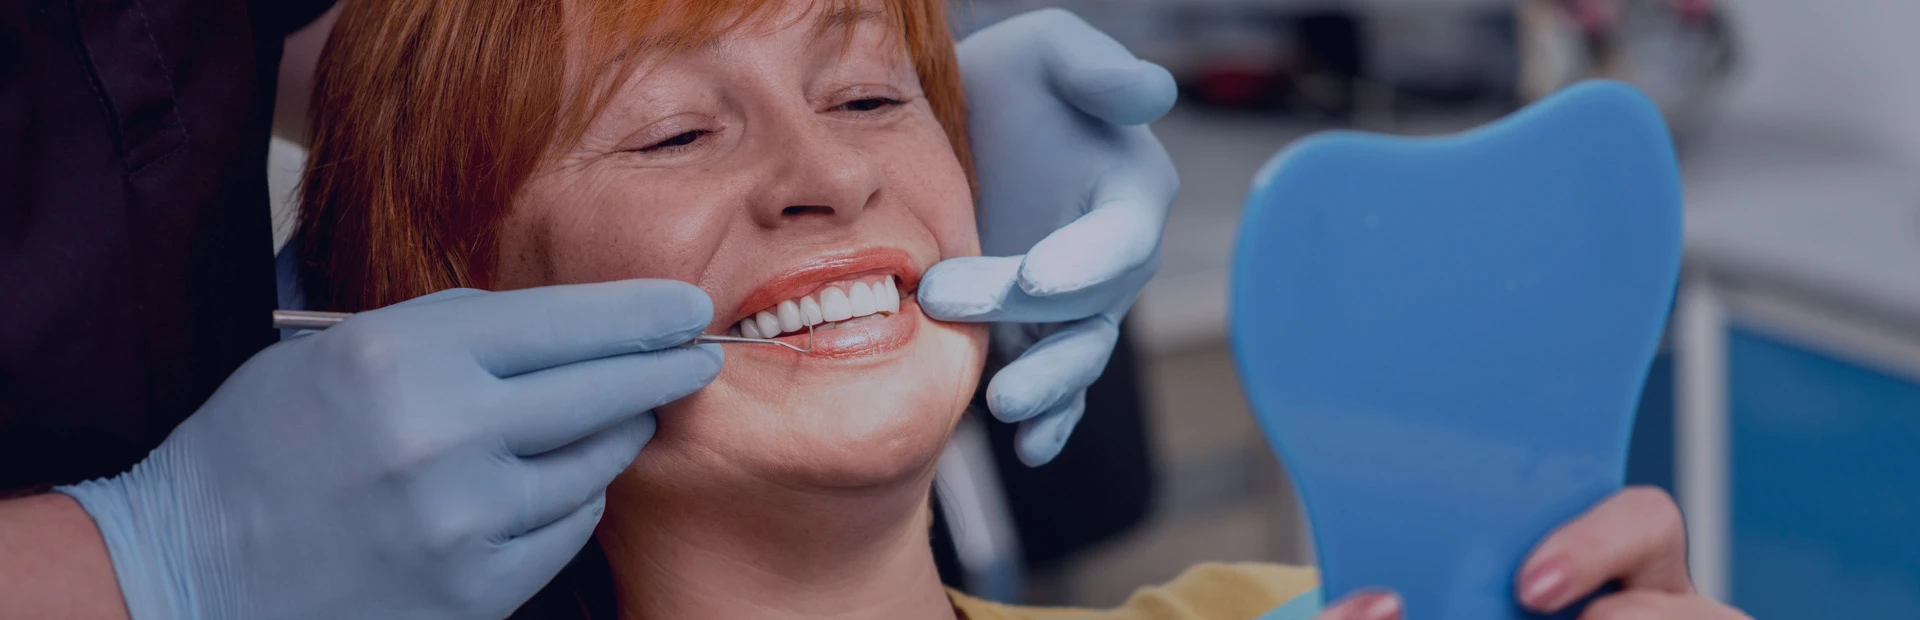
column 1133, row 95
column 1100, row 77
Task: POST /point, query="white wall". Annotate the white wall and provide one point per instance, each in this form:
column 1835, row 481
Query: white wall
column 1849, row 66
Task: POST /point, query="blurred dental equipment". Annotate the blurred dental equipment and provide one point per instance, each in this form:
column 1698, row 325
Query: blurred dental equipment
column 307, row 319
column 1681, row 53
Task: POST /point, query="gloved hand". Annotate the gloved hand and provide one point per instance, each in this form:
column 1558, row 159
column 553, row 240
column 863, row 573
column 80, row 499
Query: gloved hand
column 441, row 458
column 1071, row 178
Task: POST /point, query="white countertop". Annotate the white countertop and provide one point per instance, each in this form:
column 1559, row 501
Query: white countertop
column 1834, row 222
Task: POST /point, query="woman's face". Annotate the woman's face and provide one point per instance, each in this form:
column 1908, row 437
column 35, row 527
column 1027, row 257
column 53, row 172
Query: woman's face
column 798, row 175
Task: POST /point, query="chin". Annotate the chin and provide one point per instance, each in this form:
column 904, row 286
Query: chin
column 829, row 424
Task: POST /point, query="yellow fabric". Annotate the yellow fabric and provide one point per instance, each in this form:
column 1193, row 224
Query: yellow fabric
column 1203, row 592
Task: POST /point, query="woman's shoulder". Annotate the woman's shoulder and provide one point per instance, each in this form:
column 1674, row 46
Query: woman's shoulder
column 1212, row 591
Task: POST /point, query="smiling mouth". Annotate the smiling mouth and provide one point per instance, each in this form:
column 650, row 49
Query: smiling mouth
column 837, row 305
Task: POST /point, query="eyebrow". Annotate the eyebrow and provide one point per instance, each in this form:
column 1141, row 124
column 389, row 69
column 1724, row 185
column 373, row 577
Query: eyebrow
column 845, row 19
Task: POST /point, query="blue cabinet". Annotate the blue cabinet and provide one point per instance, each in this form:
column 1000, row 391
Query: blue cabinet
column 1650, row 453
column 1825, row 484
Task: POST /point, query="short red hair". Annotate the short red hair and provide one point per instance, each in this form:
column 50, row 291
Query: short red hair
column 429, row 115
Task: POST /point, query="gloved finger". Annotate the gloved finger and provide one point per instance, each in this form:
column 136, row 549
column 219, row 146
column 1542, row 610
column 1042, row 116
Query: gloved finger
column 552, row 408
column 1098, row 75
column 557, row 483
column 532, row 559
column 429, row 298
column 1052, row 370
column 1038, row 440
column 972, row 288
column 1119, row 236
column 515, row 332
column 987, row 289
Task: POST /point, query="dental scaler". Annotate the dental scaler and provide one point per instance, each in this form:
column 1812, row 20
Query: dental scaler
column 305, row 319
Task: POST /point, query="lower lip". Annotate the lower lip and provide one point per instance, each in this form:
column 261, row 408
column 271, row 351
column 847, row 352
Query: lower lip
column 864, row 339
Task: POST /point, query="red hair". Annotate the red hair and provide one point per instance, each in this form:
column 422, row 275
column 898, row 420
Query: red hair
column 429, row 115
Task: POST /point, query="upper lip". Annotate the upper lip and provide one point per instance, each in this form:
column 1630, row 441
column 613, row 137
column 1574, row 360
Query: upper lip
column 815, row 273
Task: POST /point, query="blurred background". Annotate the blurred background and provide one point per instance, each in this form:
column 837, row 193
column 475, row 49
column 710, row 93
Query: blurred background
column 1783, row 410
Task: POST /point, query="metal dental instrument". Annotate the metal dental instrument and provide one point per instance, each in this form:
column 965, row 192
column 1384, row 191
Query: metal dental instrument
column 306, row 319
column 706, row 339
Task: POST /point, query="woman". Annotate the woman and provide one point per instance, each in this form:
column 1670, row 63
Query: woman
column 803, row 163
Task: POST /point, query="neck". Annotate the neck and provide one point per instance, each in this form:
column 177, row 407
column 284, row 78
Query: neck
column 773, row 552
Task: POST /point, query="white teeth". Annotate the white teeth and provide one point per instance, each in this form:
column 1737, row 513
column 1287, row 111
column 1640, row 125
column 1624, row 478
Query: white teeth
column 834, row 305
column 861, row 298
column 810, row 311
column 769, row 326
column 789, row 314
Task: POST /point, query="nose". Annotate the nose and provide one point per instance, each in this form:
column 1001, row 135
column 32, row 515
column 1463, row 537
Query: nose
column 815, row 175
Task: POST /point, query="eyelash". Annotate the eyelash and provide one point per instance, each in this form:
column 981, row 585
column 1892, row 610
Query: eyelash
column 686, row 139
column 676, row 142
column 884, row 102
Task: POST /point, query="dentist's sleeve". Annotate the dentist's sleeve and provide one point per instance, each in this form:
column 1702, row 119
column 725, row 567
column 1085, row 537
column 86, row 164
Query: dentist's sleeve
column 1074, row 192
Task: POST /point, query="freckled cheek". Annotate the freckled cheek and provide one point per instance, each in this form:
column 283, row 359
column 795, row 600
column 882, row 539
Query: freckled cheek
column 639, row 236
column 954, row 229
column 937, row 192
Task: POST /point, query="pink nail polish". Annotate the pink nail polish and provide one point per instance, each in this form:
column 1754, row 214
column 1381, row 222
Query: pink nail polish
column 1541, row 586
column 1382, row 608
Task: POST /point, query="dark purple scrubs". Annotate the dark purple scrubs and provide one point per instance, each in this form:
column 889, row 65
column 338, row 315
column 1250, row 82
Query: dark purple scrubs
column 136, row 264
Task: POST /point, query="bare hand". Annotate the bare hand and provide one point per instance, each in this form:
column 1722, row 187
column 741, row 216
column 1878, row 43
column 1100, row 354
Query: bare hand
column 1635, row 538
column 1365, row 605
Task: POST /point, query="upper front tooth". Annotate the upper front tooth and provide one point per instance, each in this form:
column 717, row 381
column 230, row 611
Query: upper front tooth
column 834, row 305
column 890, row 297
column 861, row 298
column 789, row 314
column 769, row 326
column 810, row 311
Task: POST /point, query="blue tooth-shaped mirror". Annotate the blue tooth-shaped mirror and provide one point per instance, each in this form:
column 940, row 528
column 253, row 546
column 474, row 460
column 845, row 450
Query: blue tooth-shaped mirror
column 1445, row 338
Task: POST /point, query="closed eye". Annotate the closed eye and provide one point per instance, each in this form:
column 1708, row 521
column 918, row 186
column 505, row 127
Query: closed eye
column 684, row 139
column 870, row 104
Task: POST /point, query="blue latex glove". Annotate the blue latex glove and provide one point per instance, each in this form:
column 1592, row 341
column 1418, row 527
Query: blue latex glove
column 441, row 458
column 1074, row 191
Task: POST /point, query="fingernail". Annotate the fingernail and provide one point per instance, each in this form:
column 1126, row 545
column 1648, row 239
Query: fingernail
column 1542, row 585
column 1385, row 607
